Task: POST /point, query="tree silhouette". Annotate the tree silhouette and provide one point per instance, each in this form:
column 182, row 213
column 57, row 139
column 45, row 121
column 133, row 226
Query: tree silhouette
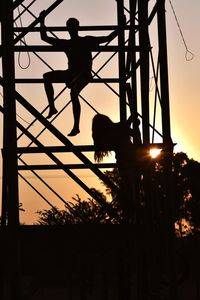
column 81, row 212
column 192, row 206
column 186, row 178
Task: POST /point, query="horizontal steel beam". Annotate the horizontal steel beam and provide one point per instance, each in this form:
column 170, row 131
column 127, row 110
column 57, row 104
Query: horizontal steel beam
column 68, row 166
column 47, row 48
column 82, row 148
column 41, row 80
column 81, row 28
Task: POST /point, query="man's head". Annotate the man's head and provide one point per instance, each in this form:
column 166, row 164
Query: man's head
column 72, row 24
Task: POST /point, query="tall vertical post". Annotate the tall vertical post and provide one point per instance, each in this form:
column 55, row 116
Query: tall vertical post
column 11, row 283
column 9, row 141
column 164, row 81
column 133, row 44
column 131, row 59
column 168, row 150
column 121, row 59
column 144, row 66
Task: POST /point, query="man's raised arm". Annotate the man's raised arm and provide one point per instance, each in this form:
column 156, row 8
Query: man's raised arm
column 111, row 36
column 43, row 32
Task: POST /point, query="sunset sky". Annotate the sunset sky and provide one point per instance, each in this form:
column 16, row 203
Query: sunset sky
column 184, row 85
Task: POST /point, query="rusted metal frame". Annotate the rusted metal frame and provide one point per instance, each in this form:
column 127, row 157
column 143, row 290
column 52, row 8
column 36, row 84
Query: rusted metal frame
column 64, row 140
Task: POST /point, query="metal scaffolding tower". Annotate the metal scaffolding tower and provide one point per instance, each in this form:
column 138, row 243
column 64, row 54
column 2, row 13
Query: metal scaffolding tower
column 136, row 61
column 139, row 63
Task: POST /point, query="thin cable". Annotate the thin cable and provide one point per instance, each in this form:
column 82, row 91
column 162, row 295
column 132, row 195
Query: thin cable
column 188, row 54
column 23, row 119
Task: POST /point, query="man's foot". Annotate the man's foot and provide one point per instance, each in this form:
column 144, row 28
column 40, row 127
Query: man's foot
column 74, row 132
column 52, row 112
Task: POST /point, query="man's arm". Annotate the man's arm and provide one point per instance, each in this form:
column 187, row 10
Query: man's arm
column 43, row 34
column 108, row 38
column 111, row 36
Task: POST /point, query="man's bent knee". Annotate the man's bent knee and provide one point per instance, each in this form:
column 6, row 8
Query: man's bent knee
column 47, row 76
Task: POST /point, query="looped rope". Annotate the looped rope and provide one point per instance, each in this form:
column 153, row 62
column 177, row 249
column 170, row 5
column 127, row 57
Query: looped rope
column 24, row 42
column 188, row 54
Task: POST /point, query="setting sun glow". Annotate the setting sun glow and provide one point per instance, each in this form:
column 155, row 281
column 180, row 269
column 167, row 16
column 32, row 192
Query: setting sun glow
column 154, row 152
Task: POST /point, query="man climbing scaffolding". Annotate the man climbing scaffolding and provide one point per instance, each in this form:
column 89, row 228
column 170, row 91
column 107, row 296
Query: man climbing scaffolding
column 78, row 50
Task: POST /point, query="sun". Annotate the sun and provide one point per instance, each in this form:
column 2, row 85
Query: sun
column 154, row 152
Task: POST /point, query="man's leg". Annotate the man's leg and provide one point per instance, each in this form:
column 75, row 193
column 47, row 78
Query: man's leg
column 75, row 90
column 76, row 112
column 48, row 85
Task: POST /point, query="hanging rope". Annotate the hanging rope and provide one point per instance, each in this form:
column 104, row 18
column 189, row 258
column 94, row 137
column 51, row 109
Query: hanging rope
column 24, row 41
column 188, row 54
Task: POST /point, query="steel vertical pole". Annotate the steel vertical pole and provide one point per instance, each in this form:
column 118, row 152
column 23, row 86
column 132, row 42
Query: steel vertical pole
column 132, row 53
column 11, row 285
column 164, row 81
column 144, row 66
column 121, row 59
column 9, row 141
column 168, row 150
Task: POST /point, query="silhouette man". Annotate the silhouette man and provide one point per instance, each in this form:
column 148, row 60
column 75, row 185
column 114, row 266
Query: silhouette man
column 78, row 50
